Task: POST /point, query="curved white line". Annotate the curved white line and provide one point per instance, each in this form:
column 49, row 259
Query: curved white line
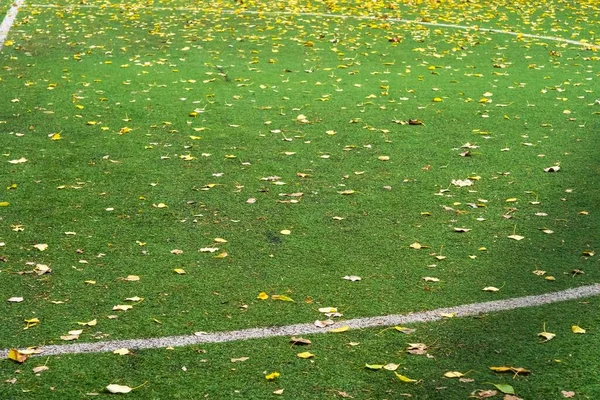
column 309, row 328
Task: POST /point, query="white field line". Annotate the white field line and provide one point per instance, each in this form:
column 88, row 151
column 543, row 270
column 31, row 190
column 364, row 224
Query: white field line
column 358, row 17
column 9, row 20
column 304, row 329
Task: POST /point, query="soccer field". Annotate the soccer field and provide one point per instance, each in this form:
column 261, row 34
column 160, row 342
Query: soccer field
column 173, row 167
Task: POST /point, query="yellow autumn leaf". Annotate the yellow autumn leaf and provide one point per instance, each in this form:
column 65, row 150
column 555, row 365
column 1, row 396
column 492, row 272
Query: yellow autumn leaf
column 122, row 351
column 262, row 296
column 281, row 297
column 4, row 203
column 453, row 374
column 490, row 289
column 374, row 366
column 16, row 355
column 577, row 329
column 179, row 271
column 546, row 335
column 89, row 323
column 404, row 378
column 122, row 307
column 500, row 369
column 31, row 323
column 339, row 330
column 305, row 354
column 272, row 376
column 221, row 255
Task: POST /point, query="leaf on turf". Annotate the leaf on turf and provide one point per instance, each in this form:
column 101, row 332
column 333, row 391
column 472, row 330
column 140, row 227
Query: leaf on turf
column 448, row 315
column 374, row 366
column 122, row 351
column 404, row 378
column 281, row 297
column 240, row 359
column 305, row 354
column 327, row 309
column 18, row 356
column 404, row 330
column 113, row 388
column 417, row 348
column 454, row 374
column 567, row 394
column 15, row 300
column 490, row 289
column 577, row 329
column 278, row 391
column 122, row 307
column 391, row 366
column 430, row 279
column 462, row 182
column 504, row 388
column 89, row 323
column 272, row 376
column 262, row 296
column 29, row 323
column 41, row 269
column 352, row 278
column 515, row 370
column 461, row 230
column 131, row 278
column 299, row 341
column 554, row 168
column 547, row 336
column 484, row 394
column 323, row 324
column 39, row 369
column 339, row 330
column 516, row 237
column 41, row 246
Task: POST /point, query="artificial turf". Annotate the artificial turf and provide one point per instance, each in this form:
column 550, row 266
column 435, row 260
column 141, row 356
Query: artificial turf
column 147, row 131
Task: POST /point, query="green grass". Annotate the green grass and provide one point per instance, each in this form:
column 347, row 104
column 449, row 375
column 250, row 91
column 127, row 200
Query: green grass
column 89, row 74
column 469, row 346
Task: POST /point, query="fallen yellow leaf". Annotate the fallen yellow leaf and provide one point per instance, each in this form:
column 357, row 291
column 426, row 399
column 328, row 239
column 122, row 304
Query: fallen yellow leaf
column 577, row 329
column 262, row 296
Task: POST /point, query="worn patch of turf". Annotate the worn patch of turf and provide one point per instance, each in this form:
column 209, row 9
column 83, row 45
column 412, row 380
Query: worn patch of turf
column 470, row 346
column 195, row 110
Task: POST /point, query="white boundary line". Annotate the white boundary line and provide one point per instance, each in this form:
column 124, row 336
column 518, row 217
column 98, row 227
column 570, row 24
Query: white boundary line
column 465, row 310
column 9, row 20
column 329, row 15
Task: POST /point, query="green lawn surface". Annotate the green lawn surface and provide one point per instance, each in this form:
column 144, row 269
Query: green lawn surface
column 152, row 135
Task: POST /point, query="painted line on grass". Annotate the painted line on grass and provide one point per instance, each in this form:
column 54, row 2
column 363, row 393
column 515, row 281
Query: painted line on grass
column 9, row 20
column 342, row 16
column 465, row 310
